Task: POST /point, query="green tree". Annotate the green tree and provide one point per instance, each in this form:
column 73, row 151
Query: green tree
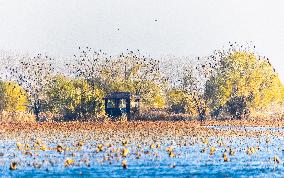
column 74, row 98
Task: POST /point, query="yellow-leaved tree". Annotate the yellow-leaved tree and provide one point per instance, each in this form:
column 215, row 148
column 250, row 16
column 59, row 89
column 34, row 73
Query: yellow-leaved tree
column 181, row 101
column 127, row 72
column 13, row 97
column 244, row 77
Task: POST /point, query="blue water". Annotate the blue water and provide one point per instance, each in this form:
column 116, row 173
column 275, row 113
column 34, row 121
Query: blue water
column 189, row 160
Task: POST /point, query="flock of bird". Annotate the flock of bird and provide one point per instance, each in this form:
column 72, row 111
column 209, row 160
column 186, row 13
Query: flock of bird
column 51, row 146
column 33, row 73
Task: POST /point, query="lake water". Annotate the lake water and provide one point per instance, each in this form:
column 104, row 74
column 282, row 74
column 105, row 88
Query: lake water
column 190, row 161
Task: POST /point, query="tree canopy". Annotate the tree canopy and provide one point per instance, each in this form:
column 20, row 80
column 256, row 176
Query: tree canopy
column 245, row 74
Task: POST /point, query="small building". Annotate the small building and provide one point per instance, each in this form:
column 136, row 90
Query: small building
column 118, row 104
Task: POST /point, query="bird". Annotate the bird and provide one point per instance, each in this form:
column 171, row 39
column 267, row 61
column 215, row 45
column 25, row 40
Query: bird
column 138, row 155
column 172, row 154
column 124, row 152
column 212, row 150
column 203, row 150
column 80, row 143
column 124, row 142
column 152, row 146
column 19, row 145
column 13, row 166
column 124, row 164
column 169, row 149
column 43, row 148
column 226, row 159
column 100, row 148
column 68, row 162
column 231, row 152
column 276, row 159
column 59, row 149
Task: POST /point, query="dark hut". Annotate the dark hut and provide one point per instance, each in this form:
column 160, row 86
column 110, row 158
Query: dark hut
column 118, row 104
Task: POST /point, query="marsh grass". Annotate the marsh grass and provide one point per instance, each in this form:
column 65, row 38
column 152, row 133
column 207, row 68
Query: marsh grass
column 17, row 117
column 273, row 112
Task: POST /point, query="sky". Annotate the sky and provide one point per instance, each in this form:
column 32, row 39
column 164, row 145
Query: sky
column 155, row 27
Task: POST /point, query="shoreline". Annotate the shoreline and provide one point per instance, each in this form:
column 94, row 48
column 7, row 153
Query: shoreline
column 135, row 130
column 246, row 123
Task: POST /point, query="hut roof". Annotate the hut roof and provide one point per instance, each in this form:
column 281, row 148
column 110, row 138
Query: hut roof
column 120, row 95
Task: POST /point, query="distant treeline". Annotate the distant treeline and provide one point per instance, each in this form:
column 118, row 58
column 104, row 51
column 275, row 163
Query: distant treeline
column 231, row 82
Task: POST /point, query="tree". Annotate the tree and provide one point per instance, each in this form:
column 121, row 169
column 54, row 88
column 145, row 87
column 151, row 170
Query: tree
column 186, row 92
column 33, row 75
column 13, row 97
column 180, row 101
column 127, row 72
column 74, row 98
column 243, row 74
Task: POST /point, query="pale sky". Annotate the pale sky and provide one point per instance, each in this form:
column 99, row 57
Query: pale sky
column 183, row 27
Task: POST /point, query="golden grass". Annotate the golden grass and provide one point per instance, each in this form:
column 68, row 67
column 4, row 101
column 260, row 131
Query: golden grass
column 16, row 117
